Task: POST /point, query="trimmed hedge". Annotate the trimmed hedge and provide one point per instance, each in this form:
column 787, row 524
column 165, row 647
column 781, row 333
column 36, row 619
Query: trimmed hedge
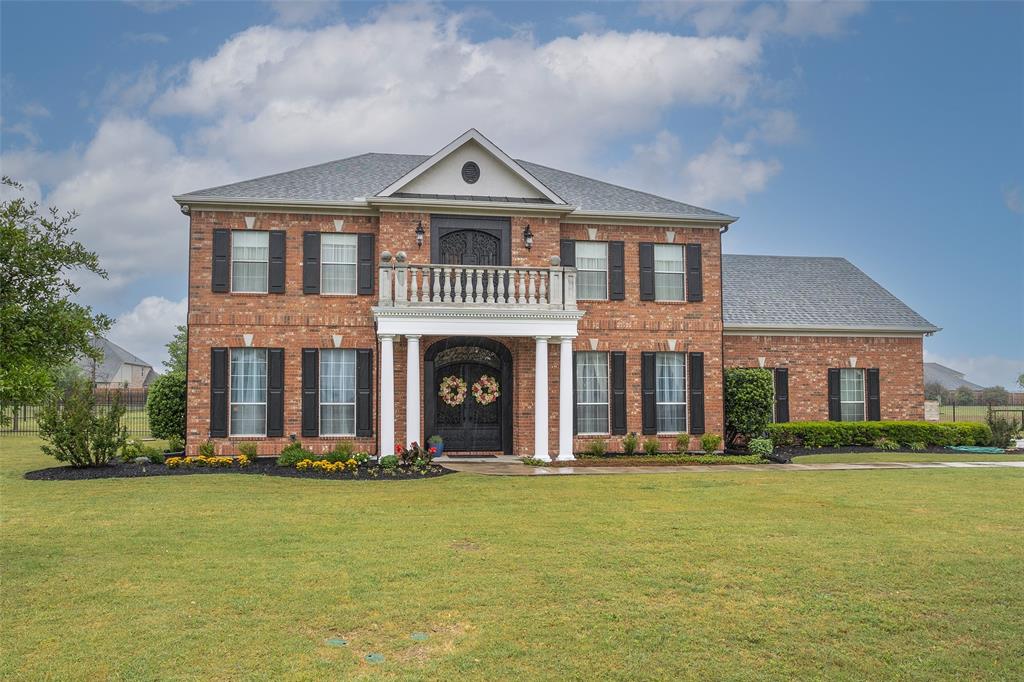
column 842, row 434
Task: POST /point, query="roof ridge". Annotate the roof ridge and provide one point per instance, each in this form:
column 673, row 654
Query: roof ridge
column 768, row 255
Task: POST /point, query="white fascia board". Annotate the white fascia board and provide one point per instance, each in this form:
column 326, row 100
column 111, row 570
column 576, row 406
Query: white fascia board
column 745, row 330
column 355, row 207
column 456, row 205
column 476, row 322
column 476, row 136
column 628, row 218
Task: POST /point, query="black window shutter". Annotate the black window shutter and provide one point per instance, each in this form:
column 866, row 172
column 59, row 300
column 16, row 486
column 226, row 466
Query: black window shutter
column 694, row 274
column 364, row 268
column 696, row 393
column 310, row 392
column 221, row 260
column 219, row 358
column 646, row 272
column 647, row 383
column 275, row 266
column 834, row 413
column 874, row 397
column 567, row 253
column 618, row 393
column 616, row 271
column 575, row 398
column 364, row 392
column 311, row 263
column 781, row 394
column 275, row 392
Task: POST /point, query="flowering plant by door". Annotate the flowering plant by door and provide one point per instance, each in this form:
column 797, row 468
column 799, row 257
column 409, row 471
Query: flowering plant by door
column 452, row 391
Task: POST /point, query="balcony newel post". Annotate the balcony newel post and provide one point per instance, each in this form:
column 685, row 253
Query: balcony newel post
column 569, row 277
column 401, row 286
column 385, row 279
column 556, row 282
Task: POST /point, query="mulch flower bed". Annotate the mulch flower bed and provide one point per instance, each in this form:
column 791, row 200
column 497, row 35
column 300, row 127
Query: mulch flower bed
column 259, row 468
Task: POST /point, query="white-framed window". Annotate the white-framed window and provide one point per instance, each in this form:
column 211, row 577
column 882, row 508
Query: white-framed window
column 337, row 392
column 592, row 271
column 670, row 392
column 591, row 393
column 669, row 274
column 250, row 256
column 851, row 395
column 338, row 255
column 248, row 392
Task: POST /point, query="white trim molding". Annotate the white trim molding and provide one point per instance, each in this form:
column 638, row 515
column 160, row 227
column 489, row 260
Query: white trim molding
column 476, row 321
column 808, row 331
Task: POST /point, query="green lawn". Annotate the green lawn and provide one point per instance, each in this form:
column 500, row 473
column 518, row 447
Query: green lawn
column 741, row 575
column 949, row 456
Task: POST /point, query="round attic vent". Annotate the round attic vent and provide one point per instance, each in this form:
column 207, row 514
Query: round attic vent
column 470, row 172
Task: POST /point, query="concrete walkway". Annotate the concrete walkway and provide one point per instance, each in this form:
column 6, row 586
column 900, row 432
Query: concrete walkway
column 506, row 468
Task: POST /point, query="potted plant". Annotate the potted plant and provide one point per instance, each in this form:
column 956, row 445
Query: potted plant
column 437, row 443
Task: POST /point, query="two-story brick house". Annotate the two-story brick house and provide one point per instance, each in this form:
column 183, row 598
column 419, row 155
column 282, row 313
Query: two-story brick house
column 510, row 308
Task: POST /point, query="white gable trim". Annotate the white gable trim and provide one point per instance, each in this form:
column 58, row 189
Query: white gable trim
column 476, row 136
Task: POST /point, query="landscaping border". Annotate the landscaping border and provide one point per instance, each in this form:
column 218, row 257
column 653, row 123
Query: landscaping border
column 67, row 473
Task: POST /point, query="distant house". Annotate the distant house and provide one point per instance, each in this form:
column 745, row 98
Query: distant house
column 948, row 378
column 118, row 368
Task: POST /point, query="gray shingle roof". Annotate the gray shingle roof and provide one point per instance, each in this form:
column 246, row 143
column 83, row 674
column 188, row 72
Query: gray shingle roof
column 363, row 176
column 948, row 378
column 810, row 293
column 114, row 356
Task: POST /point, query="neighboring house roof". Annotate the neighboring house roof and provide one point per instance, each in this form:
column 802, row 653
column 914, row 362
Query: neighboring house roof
column 358, row 178
column 114, row 357
column 948, row 378
column 810, row 294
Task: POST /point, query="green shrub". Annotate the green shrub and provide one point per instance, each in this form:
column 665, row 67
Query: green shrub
column 710, row 442
column 435, row 440
column 248, row 449
column 683, row 443
column 131, row 449
column 175, row 444
column 630, row 442
column 166, row 405
column 154, row 454
column 293, row 453
column 917, row 446
column 361, row 458
column 843, row 434
column 389, row 462
column 597, row 448
column 652, row 446
column 77, row 432
column 207, row 448
column 886, row 444
column 342, row 452
column 760, row 446
column 1003, row 430
column 749, row 402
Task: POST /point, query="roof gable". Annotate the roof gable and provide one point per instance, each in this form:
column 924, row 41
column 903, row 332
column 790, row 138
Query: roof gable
column 498, row 174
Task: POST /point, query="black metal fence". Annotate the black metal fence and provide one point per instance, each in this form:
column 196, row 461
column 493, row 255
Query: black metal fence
column 23, row 420
column 973, row 412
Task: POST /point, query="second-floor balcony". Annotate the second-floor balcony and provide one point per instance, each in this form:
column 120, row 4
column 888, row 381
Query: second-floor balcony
column 404, row 284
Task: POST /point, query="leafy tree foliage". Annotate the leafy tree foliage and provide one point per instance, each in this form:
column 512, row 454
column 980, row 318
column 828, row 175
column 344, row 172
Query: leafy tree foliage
column 994, row 395
column 166, row 405
column 41, row 328
column 77, row 432
column 177, row 351
column 933, row 391
column 749, row 398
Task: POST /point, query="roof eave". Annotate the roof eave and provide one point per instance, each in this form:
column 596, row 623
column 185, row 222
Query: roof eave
column 824, row 330
column 639, row 217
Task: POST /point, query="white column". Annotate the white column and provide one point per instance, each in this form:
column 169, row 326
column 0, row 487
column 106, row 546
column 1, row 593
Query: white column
column 412, row 389
column 387, row 395
column 540, row 400
column 565, row 391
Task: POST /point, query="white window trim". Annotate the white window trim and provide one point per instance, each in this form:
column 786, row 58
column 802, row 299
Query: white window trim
column 232, row 261
column 682, row 273
column 321, row 404
column 686, row 390
column 606, row 275
column 231, row 403
column 323, row 262
column 863, row 402
column 608, row 395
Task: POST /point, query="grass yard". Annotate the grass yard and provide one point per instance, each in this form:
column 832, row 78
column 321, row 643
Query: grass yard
column 911, row 574
column 949, row 456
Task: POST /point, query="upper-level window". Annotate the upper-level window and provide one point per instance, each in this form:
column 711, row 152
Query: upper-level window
column 670, row 392
column 591, row 392
column 669, row 275
column 337, row 392
column 249, row 392
column 338, row 263
column 592, row 270
column 250, row 252
column 851, row 395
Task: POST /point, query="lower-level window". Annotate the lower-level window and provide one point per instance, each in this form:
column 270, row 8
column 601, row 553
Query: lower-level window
column 670, row 392
column 591, row 392
column 851, row 395
column 248, row 391
column 337, row 392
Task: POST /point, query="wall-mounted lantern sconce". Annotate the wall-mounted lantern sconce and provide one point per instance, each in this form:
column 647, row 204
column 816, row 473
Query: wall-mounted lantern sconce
column 528, row 237
column 419, row 233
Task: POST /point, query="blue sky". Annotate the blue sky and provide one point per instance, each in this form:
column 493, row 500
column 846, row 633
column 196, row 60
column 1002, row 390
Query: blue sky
column 891, row 134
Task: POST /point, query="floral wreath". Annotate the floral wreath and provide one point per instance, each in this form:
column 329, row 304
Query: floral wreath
column 452, row 391
column 486, row 390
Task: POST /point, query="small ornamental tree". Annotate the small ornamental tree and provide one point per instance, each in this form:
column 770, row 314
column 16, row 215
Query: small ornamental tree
column 78, row 432
column 166, row 406
column 749, row 394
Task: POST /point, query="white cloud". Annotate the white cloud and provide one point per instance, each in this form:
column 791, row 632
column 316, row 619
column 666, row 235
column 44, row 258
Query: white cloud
column 35, row 110
column 148, row 327
column 1013, row 197
column 148, row 37
column 986, row 370
column 798, row 18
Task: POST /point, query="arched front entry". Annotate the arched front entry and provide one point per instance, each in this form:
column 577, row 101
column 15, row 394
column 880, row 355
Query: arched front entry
column 470, row 426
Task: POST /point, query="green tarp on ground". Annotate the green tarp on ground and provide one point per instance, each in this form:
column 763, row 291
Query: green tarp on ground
column 976, row 449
